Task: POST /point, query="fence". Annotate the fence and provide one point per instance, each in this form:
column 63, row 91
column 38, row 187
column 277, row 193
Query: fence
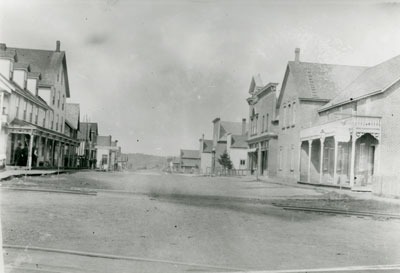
column 226, row 172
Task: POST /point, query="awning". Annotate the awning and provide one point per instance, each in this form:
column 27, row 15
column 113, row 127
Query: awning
column 252, row 150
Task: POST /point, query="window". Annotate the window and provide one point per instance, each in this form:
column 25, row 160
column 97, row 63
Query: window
column 262, row 124
column 280, row 157
column 104, row 159
column 325, row 163
column 267, row 123
column 294, row 113
column 25, row 110
column 37, row 115
column 242, row 162
column 58, row 101
column 284, row 117
column 63, row 101
column 292, row 158
column 61, row 125
column 288, row 115
column 57, row 122
column 17, row 107
column 54, row 97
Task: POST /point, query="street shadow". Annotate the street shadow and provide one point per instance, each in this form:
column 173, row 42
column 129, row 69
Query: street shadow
column 252, row 206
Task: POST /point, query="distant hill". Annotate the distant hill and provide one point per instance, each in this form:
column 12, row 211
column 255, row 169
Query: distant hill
column 137, row 161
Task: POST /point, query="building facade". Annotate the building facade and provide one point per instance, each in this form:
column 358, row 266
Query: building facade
column 354, row 142
column 106, row 152
column 189, row 161
column 87, row 137
column 33, row 97
column 205, row 151
column 262, row 135
column 236, row 148
column 221, row 130
column 306, row 87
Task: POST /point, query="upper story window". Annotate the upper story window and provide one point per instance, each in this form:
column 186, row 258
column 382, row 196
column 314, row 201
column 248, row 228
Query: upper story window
column 288, row 115
column 294, row 113
column 25, row 110
column 58, row 102
column 284, row 117
column 263, row 124
column 63, row 101
column 57, row 122
column 17, row 107
column 37, row 115
column 267, row 123
column 54, row 97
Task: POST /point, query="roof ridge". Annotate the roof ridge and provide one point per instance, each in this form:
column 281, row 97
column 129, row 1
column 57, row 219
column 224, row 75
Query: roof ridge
column 359, row 66
column 35, row 49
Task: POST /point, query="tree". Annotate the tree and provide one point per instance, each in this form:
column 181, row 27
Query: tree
column 225, row 161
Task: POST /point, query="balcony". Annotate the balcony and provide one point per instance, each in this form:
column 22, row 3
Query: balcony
column 343, row 128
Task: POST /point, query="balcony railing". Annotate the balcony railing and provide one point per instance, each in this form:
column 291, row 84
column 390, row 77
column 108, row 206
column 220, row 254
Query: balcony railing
column 361, row 124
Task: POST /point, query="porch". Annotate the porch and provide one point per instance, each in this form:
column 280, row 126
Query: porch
column 40, row 147
column 342, row 153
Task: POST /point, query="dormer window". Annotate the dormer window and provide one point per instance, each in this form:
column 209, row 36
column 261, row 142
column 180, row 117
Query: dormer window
column 6, row 67
column 19, row 77
column 31, row 85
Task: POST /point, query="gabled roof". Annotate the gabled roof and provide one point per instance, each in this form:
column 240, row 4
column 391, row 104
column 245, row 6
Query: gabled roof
column 193, row 154
column 239, row 141
column 72, row 111
column 207, row 146
column 85, row 128
column 317, row 81
column 230, row 127
column 373, row 80
column 103, row 141
column 45, row 62
column 255, row 84
column 24, row 93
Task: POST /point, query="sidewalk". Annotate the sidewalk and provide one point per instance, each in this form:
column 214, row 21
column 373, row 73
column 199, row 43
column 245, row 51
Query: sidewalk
column 360, row 195
column 7, row 174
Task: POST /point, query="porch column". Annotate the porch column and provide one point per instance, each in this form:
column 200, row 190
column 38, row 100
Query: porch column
column 309, row 161
column 30, row 150
column 59, row 159
column 45, row 150
column 335, row 162
column 53, row 151
column 321, row 162
column 259, row 161
column 299, row 160
column 353, row 156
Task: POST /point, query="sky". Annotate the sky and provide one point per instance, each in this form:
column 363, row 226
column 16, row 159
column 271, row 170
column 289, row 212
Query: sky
column 154, row 74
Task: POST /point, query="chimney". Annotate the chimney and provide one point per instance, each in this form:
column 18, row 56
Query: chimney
column 58, row 44
column 297, row 55
column 202, row 143
column 243, row 126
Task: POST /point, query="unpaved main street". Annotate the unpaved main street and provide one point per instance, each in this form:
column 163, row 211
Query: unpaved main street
column 172, row 223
